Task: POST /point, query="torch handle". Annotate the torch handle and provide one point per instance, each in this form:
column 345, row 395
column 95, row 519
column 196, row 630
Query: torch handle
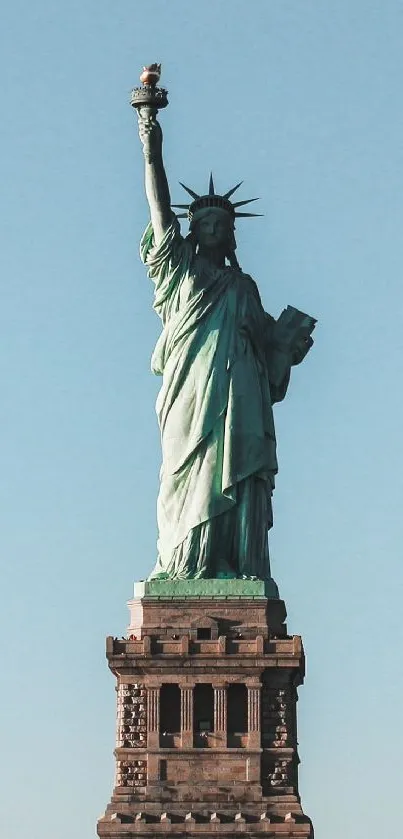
column 150, row 132
column 147, row 112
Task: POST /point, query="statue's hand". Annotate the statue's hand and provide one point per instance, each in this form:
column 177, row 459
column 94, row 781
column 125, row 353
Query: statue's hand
column 150, row 134
column 300, row 349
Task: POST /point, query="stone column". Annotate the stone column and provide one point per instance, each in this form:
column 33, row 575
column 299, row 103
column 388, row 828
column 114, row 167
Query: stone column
column 220, row 716
column 153, row 717
column 186, row 717
column 254, row 736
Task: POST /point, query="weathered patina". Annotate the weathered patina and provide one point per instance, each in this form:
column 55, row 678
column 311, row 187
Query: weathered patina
column 224, row 362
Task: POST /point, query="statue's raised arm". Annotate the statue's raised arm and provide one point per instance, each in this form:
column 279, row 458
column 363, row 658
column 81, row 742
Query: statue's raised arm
column 156, row 184
column 148, row 100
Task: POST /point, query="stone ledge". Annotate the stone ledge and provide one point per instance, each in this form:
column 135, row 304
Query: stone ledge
column 125, row 752
column 211, row 588
column 204, row 817
column 167, row 823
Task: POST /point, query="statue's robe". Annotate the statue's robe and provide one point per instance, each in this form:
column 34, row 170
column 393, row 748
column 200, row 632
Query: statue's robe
column 215, row 415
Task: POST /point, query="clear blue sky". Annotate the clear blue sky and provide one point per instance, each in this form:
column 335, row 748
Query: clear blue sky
column 303, row 100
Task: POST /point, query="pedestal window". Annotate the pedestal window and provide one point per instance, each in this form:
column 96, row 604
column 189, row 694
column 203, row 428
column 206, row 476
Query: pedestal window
column 237, row 716
column 170, row 715
column 203, row 715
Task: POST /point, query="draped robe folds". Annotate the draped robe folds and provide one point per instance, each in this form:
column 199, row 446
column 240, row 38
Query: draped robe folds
column 215, row 415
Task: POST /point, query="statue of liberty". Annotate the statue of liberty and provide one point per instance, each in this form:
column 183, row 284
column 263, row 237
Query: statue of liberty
column 224, row 362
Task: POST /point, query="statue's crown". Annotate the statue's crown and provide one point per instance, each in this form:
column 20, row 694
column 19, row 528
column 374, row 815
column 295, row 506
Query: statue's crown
column 212, row 199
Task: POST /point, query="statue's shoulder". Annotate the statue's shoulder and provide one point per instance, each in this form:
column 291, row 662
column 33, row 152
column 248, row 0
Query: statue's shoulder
column 168, row 261
column 252, row 285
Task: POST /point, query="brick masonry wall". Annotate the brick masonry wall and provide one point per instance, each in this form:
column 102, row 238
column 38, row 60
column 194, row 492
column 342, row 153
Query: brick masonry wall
column 277, row 716
column 131, row 733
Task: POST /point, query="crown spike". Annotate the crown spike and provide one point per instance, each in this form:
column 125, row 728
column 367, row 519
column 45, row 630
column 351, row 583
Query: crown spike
column 214, row 200
column 248, row 215
column 190, row 191
column 242, row 203
column 231, row 191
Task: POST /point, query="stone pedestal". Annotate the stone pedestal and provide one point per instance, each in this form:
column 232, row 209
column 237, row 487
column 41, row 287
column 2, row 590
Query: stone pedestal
column 206, row 726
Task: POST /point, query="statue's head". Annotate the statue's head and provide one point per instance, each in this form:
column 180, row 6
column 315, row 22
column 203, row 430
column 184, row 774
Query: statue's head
column 213, row 227
column 212, row 220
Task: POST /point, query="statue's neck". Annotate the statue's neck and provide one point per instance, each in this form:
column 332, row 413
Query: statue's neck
column 214, row 255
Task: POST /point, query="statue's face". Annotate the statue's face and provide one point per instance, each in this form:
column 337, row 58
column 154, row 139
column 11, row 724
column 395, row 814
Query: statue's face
column 212, row 227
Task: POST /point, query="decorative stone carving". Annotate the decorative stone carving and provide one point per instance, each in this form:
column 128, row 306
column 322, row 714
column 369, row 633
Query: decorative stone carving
column 131, row 773
column 220, row 709
column 153, row 709
column 277, row 716
column 131, row 716
column 278, row 775
column 186, row 709
column 253, row 708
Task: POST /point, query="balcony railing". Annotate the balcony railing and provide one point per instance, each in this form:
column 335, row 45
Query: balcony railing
column 148, row 646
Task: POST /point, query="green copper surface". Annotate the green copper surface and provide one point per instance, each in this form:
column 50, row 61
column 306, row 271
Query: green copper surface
column 205, row 588
column 224, row 362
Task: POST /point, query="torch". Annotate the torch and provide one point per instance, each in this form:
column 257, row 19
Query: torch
column 149, row 98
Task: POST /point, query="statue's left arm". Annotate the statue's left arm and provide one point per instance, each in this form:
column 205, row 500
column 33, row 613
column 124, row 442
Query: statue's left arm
column 280, row 358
